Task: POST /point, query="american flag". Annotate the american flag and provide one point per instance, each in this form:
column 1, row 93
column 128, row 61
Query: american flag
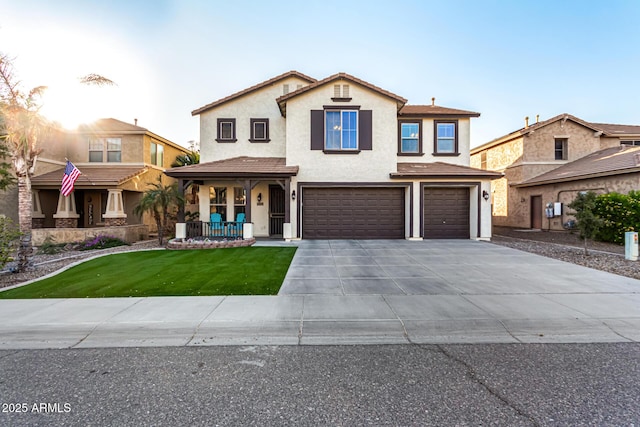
column 71, row 173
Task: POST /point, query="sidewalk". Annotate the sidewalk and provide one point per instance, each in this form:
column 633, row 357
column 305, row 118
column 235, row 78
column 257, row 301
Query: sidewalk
column 358, row 292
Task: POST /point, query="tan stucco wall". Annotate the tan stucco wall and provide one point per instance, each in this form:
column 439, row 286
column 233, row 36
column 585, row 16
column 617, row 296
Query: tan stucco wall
column 258, row 105
column 528, row 156
column 566, row 192
column 366, row 166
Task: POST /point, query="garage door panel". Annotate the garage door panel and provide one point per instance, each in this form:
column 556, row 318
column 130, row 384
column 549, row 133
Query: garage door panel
column 353, row 213
column 446, row 213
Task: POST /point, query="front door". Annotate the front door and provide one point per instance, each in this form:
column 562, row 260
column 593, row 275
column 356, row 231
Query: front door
column 92, row 208
column 536, row 212
column 276, row 210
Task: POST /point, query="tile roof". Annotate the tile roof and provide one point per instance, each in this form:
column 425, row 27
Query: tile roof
column 434, row 111
column 618, row 130
column 339, row 76
column 606, row 129
column 265, row 83
column 236, row 167
column 610, row 161
column 91, row 176
column 441, row 170
column 110, row 126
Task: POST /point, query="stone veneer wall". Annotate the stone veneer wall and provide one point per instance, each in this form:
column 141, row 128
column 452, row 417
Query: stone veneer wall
column 128, row 233
column 115, row 222
column 37, row 222
column 66, row 222
column 206, row 244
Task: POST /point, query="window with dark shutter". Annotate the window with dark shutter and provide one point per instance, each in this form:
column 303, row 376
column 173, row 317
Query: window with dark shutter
column 317, row 129
column 366, row 131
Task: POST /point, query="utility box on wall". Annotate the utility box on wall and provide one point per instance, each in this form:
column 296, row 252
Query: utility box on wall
column 631, row 245
column 557, row 209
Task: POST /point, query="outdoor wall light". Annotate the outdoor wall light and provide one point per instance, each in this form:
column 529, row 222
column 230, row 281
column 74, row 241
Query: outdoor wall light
column 485, row 194
column 293, row 195
column 259, row 197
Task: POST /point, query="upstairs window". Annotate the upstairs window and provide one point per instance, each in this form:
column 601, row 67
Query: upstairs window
column 157, row 154
column 446, row 138
column 105, row 148
column 560, row 151
column 483, row 160
column 410, row 141
column 341, row 130
column 226, row 130
column 259, row 130
column 346, row 130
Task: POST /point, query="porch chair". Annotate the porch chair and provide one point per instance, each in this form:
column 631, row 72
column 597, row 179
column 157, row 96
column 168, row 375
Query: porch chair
column 236, row 228
column 215, row 224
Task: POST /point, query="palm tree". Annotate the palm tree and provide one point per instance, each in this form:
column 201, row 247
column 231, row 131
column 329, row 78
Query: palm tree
column 157, row 201
column 21, row 126
column 6, row 178
column 193, row 158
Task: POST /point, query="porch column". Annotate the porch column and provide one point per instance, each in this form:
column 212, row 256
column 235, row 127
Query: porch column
column 287, row 232
column 247, row 207
column 37, row 217
column 114, row 215
column 66, row 216
column 181, row 225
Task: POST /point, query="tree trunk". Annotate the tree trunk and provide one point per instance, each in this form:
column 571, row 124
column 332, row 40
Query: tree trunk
column 586, row 252
column 25, row 208
column 160, row 227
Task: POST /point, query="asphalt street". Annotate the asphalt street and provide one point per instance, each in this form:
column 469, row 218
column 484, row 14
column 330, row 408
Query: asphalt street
column 438, row 385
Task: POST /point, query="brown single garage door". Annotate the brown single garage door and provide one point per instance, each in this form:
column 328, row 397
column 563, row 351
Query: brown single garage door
column 446, row 213
column 353, row 213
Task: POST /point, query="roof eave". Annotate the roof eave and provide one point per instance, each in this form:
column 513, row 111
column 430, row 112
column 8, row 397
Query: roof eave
column 437, row 115
column 401, row 175
column 202, row 175
column 577, row 177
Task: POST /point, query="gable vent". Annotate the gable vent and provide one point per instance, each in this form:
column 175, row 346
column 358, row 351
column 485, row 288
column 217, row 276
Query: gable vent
column 345, row 91
column 336, row 91
column 285, row 89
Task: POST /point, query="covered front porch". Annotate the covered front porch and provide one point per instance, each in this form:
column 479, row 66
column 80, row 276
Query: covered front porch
column 103, row 197
column 238, row 198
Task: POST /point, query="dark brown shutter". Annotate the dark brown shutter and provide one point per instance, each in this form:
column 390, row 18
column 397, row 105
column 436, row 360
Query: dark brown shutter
column 365, row 138
column 317, row 129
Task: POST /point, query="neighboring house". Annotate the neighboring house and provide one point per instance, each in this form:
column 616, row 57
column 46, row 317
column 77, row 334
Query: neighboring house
column 547, row 163
column 117, row 161
column 339, row 158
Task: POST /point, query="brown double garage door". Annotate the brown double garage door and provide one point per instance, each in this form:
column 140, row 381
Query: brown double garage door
column 379, row 213
column 353, row 213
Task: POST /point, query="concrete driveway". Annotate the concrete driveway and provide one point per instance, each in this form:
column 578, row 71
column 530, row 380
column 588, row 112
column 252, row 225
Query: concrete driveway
column 359, row 292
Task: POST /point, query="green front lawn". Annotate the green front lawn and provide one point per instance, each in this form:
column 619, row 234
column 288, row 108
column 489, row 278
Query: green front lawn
column 232, row 271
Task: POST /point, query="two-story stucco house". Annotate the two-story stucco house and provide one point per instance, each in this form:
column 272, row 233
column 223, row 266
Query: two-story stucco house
column 339, row 158
column 117, row 161
column 547, row 163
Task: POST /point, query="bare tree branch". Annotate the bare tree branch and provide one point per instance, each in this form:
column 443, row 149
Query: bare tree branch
column 96, row 80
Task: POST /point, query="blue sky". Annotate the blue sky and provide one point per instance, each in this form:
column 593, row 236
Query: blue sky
column 504, row 59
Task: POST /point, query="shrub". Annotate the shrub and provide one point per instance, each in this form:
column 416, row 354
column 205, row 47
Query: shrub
column 620, row 213
column 587, row 221
column 9, row 235
column 101, row 242
column 49, row 247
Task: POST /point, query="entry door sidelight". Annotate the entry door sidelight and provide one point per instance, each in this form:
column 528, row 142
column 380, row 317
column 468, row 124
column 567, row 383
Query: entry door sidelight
column 277, row 200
